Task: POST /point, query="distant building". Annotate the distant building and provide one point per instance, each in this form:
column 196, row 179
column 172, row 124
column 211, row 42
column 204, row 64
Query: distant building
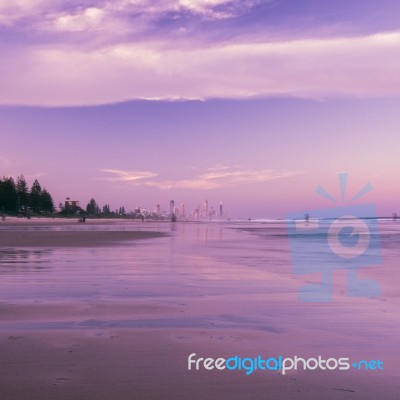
column 212, row 213
column 182, row 211
column 71, row 203
column 220, row 210
column 172, row 206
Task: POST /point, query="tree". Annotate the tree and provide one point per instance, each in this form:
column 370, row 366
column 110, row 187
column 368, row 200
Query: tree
column 8, row 195
column 22, row 194
column 92, row 207
column 46, row 201
column 15, row 197
column 35, row 196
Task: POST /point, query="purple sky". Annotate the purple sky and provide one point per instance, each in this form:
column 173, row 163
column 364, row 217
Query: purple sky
column 254, row 103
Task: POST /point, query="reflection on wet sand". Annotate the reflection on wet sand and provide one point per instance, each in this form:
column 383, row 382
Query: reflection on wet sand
column 209, row 288
column 21, row 260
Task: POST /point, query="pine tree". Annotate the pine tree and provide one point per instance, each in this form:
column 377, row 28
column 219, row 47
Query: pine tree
column 46, row 201
column 22, row 194
column 8, row 195
column 92, row 207
column 35, row 196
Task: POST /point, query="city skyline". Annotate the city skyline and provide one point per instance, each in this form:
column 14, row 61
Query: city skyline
column 201, row 211
column 254, row 103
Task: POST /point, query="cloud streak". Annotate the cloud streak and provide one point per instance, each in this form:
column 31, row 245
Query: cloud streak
column 213, row 178
column 118, row 175
column 226, row 178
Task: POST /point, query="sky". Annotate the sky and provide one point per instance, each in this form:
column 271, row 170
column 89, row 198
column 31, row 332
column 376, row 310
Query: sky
column 252, row 103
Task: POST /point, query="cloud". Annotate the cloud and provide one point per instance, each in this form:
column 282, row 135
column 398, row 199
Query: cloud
column 12, row 169
column 81, row 14
column 4, row 161
column 127, row 176
column 362, row 66
column 213, row 178
column 218, row 9
column 12, row 11
column 87, row 19
column 226, row 177
column 85, row 52
column 36, row 175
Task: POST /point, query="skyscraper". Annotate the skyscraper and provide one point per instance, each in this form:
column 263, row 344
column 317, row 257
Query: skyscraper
column 171, row 206
column 182, row 211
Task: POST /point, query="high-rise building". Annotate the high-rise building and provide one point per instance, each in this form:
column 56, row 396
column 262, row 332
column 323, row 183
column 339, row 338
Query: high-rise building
column 172, row 206
column 220, row 210
column 206, row 208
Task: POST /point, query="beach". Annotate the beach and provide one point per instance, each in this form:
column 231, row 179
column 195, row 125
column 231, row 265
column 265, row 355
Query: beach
column 113, row 309
column 71, row 239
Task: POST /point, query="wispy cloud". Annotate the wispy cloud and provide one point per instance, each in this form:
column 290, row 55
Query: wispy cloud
column 212, row 178
column 118, row 175
column 12, row 11
column 14, row 169
column 4, row 161
column 226, row 177
column 313, row 68
column 36, row 175
column 78, row 15
column 89, row 19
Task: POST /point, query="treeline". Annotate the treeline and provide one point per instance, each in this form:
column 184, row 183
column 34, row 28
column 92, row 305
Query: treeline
column 93, row 208
column 17, row 197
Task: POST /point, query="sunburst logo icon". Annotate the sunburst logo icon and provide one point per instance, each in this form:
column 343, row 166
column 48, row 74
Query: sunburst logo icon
column 342, row 237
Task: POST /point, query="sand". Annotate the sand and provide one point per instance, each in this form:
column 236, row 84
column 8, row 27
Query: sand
column 71, row 239
column 100, row 330
column 144, row 363
column 17, row 232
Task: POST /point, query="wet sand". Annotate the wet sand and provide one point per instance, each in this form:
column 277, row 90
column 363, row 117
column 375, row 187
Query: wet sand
column 104, row 322
column 151, row 363
column 44, row 239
